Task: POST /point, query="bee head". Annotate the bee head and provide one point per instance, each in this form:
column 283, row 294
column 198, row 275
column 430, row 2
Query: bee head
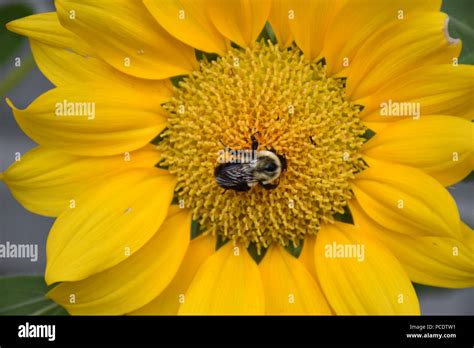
column 268, row 167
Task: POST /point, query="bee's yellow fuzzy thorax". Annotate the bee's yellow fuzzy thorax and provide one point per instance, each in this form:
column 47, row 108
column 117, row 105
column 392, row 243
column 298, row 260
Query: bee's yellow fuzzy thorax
column 283, row 99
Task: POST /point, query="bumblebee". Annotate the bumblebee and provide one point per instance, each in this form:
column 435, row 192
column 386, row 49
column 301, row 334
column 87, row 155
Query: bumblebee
column 264, row 169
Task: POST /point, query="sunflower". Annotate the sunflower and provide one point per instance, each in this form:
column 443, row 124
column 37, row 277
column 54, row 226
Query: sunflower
column 365, row 100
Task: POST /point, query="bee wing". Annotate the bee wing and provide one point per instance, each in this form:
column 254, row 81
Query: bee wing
column 235, row 176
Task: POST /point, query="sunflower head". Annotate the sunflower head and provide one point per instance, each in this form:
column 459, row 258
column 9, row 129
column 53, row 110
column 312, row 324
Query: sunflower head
column 291, row 106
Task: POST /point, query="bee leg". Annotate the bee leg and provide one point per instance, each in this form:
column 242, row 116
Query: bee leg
column 242, row 187
column 284, row 163
column 227, row 148
column 254, row 142
column 220, row 140
column 311, row 140
column 271, row 149
column 271, row 186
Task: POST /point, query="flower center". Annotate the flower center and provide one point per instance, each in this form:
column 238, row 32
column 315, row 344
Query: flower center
column 289, row 106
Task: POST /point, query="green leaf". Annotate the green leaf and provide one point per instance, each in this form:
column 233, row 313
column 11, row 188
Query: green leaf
column 369, row 133
column 267, row 34
column 467, row 59
column 26, row 295
column 253, row 251
column 10, row 41
column 157, row 140
column 196, row 229
column 175, row 80
column 221, row 241
column 346, row 217
column 461, row 25
column 295, row 250
column 470, row 177
column 208, row 57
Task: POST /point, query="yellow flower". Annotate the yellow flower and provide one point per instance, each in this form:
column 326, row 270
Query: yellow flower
column 336, row 73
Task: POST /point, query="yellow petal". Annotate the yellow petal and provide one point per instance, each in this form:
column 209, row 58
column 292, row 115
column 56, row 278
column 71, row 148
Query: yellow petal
column 135, row 281
column 45, row 180
column 442, row 146
column 435, row 261
column 50, row 61
column 127, row 37
column 307, row 255
column 360, row 276
column 458, row 173
column 398, row 48
column 427, row 86
column 45, row 28
column 227, row 283
column 109, row 221
column 309, row 23
column 403, row 199
column 357, row 21
column 167, row 303
column 189, row 22
column 241, row 21
column 52, row 45
column 92, row 120
column 279, row 19
column 376, row 127
column 289, row 287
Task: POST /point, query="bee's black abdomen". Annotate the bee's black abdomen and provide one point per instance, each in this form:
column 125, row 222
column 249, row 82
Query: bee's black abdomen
column 234, row 176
